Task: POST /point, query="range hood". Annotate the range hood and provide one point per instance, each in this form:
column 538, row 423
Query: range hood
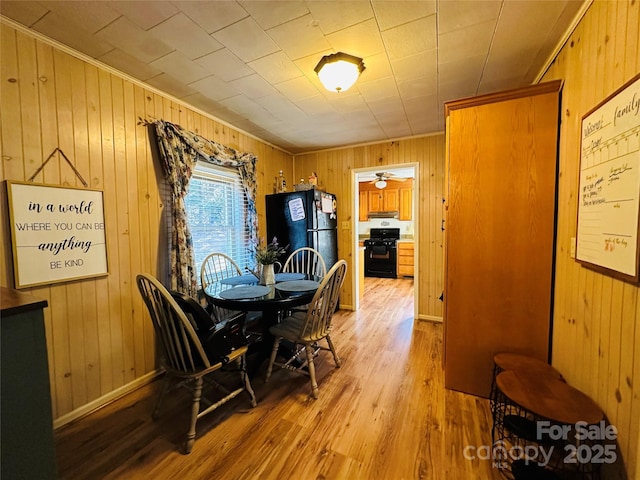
column 388, row 214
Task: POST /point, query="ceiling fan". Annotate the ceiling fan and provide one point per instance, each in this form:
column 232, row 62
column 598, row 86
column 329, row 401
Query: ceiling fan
column 382, row 177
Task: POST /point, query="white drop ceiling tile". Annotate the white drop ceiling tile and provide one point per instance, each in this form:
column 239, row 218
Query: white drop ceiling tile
column 423, row 106
column 361, row 40
column 246, row 40
column 376, row 66
column 419, row 87
column 422, row 64
column 214, row 88
column 378, row 89
column 462, row 14
column 505, row 67
column 253, row 86
column 467, row 42
column 131, row 39
column 316, row 105
column 471, row 68
column 204, row 103
column 386, row 106
column 426, row 124
column 54, row 26
column 185, row 35
column 225, row 65
column 337, row 15
column 212, row 15
column 170, row 85
column 128, row 64
column 297, row 88
column 26, row 13
column 180, row 66
column 391, row 117
column 396, row 129
column 243, row 106
column 411, row 38
column 457, row 90
column 348, row 103
column 143, row 13
column 360, row 119
column 276, row 68
column 271, row 14
column 280, row 107
column 90, row 16
column 393, row 13
column 299, row 38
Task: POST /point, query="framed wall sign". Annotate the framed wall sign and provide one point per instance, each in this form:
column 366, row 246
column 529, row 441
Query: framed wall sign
column 57, row 233
column 609, row 194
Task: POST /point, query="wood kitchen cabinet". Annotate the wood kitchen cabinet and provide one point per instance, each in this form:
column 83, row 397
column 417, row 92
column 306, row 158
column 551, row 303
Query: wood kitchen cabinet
column 405, row 259
column 363, row 211
column 499, row 230
column 396, row 196
column 375, row 201
column 406, row 203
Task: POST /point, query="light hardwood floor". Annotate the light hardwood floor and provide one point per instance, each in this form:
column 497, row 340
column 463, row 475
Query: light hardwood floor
column 384, row 415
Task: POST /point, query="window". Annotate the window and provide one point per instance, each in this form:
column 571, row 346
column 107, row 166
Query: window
column 216, row 211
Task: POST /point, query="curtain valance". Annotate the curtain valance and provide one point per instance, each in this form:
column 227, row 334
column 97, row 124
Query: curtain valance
column 179, row 150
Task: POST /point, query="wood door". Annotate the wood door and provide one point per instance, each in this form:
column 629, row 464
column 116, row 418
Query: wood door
column 499, row 231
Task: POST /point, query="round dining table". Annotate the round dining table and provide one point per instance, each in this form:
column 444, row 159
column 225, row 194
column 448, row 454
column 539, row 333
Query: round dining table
column 244, row 293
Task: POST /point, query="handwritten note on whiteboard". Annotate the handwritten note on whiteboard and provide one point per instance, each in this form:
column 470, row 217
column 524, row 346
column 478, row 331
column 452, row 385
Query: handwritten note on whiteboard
column 609, row 194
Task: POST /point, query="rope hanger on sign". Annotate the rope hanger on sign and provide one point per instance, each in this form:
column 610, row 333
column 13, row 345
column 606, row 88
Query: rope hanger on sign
column 75, row 170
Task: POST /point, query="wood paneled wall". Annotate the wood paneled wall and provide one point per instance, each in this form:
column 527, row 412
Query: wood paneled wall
column 334, row 173
column 596, row 331
column 99, row 338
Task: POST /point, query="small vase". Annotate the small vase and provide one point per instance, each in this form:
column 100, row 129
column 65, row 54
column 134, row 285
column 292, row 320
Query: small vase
column 267, row 275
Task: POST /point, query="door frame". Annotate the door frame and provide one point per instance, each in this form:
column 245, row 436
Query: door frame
column 355, row 210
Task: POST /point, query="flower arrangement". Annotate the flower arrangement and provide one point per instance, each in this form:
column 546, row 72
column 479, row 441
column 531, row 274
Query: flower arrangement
column 268, row 254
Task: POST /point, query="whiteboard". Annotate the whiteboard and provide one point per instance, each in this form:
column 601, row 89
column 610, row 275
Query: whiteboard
column 57, row 233
column 609, row 191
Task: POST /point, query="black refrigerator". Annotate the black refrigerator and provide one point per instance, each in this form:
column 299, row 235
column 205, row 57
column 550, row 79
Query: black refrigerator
column 304, row 219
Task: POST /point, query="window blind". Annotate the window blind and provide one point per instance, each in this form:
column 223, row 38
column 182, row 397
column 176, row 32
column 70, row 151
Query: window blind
column 217, row 211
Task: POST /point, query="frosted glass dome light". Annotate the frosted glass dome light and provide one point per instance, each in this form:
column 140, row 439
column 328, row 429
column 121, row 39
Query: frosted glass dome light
column 339, row 71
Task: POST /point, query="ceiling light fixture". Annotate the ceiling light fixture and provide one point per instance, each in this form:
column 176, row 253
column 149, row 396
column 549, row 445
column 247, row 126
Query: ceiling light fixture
column 380, row 184
column 339, row 71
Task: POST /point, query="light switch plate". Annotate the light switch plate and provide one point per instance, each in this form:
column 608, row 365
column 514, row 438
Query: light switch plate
column 345, row 225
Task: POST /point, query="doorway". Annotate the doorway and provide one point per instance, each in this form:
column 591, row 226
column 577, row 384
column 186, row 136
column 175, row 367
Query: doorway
column 387, row 176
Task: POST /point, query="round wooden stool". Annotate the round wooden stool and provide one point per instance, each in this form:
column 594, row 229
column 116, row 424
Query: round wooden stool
column 524, row 399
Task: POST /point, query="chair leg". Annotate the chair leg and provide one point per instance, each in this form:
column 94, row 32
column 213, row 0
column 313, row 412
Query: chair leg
column 242, row 364
column 333, row 350
column 195, row 409
column 163, row 391
column 312, row 370
column 272, row 359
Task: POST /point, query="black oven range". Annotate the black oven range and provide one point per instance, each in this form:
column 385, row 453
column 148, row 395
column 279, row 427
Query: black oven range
column 380, row 253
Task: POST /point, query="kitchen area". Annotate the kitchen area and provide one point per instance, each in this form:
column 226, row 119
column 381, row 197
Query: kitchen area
column 385, row 225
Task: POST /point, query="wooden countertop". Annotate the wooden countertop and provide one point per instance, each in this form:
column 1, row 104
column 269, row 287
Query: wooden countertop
column 13, row 302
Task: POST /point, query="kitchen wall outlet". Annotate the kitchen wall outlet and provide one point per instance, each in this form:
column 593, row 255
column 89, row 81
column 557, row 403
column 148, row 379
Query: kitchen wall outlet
column 345, row 225
column 573, row 247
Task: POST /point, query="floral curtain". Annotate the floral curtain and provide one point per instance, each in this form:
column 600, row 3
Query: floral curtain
column 179, row 151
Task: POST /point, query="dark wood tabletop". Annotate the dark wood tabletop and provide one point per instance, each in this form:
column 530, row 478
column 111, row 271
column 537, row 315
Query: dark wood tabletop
column 273, row 300
column 516, row 361
column 548, row 397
